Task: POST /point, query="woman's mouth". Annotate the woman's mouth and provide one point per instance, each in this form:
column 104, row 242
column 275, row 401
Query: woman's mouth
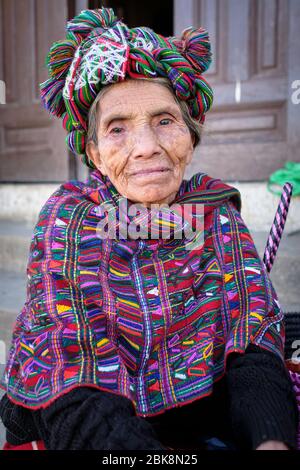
column 150, row 172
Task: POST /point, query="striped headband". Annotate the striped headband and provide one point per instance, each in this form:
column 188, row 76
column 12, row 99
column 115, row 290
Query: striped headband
column 99, row 49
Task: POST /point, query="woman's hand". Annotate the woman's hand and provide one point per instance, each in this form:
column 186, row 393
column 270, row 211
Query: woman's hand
column 272, row 445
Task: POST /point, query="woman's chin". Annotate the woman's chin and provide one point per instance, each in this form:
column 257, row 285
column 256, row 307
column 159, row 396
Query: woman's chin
column 152, row 198
column 152, row 191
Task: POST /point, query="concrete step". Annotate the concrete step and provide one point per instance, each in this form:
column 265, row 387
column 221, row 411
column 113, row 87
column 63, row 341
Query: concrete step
column 15, row 238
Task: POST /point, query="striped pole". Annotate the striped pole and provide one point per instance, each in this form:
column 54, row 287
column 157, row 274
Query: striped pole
column 277, row 226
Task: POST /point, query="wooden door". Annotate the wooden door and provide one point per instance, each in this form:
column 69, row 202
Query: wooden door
column 32, row 145
column 253, row 127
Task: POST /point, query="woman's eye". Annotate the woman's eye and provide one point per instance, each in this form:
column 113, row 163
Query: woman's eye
column 116, row 130
column 165, row 121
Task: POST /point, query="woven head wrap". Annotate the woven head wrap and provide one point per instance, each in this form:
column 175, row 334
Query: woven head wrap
column 99, row 49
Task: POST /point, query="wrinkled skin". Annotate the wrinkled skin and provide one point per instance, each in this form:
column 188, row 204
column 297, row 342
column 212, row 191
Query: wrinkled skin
column 140, row 127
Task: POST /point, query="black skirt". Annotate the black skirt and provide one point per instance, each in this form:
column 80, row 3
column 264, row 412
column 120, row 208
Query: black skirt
column 201, row 424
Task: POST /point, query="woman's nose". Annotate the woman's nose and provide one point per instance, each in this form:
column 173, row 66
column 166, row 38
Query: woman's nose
column 146, row 143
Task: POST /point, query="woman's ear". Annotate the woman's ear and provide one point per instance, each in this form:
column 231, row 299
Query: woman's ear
column 193, row 139
column 93, row 153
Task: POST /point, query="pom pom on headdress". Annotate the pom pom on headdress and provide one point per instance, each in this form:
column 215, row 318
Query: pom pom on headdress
column 51, row 95
column 60, row 57
column 99, row 49
column 195, row 47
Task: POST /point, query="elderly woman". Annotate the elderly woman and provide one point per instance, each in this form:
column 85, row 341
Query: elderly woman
column 150, row 320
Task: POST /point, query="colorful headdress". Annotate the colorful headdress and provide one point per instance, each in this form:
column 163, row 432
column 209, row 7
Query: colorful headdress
column 99, row 49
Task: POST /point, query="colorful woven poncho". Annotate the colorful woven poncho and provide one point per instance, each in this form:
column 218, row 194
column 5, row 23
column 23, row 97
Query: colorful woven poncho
column 143, row 318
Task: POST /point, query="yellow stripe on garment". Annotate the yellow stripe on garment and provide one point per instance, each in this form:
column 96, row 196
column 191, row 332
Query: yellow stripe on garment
column 89, row 272
column 166, row 223
column 256, row 315
column 102, row 342
column 135, row 346
column 26, row 347
column 62, row 308
column 207, row 351
column 117, row 273
column 129, row 302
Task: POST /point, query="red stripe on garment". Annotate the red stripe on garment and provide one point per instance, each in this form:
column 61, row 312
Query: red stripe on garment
column 27, row 446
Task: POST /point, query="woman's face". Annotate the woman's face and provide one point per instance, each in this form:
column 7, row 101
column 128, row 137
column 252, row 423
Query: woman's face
column 144, row 144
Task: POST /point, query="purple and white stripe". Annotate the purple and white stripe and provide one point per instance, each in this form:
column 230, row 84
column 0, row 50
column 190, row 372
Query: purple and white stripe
column 277, row 226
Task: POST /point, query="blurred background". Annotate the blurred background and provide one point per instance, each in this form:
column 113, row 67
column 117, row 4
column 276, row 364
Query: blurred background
column 252, row 130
